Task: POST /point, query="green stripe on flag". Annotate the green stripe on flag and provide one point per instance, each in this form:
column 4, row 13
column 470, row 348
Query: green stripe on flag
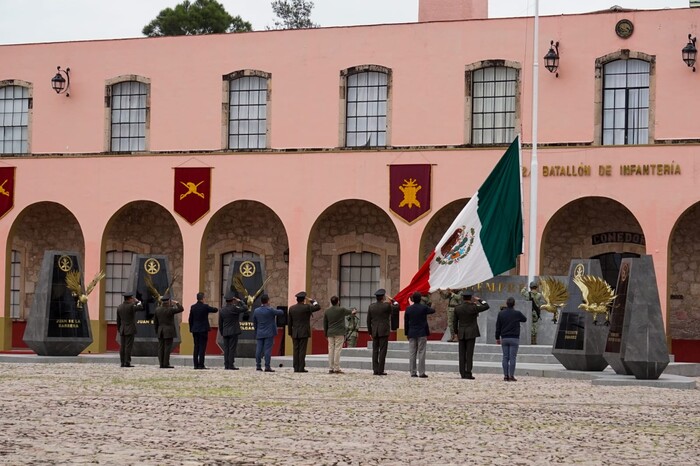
column 501, row 214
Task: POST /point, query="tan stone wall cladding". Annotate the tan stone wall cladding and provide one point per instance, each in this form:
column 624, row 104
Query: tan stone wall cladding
column 568, row 233
column 145, row 227
column 43, row 227
column 351, row 226
column 683, row 275
column 246, row 226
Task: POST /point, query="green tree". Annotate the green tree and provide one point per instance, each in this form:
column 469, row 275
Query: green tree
column 200, row 17
column 293, row 14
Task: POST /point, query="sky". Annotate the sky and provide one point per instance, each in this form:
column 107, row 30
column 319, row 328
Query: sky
column 28, row 21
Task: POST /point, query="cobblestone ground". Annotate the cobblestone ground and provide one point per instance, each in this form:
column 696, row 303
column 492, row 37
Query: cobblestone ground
column 97, row 413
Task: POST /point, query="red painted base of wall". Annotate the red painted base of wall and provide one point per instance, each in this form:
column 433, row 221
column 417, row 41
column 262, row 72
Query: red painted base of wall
column 18, row 327
column 686, row 350
column 319, row 343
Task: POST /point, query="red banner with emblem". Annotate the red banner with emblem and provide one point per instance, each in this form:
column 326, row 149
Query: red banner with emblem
column 192, row 192
column 7, row 190
column 409, row 191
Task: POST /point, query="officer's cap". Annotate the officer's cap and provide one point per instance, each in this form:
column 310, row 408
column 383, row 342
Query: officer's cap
column 467, row 293
column 165, row 298
column 229, row 296
column 128, row 294
column 301, row 294
column 380, row 292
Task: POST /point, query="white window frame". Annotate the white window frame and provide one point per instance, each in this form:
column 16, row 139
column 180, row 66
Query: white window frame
column 15, row 117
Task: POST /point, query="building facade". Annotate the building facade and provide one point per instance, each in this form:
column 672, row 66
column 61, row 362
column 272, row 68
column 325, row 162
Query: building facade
column 299, row 131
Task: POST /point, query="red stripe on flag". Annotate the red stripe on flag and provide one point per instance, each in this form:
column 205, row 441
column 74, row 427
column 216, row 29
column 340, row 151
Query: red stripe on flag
column 420, row 282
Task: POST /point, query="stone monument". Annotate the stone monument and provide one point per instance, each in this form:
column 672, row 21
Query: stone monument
column 59, row 324
column 154, row 269
column 580, row 340
column 636, row 343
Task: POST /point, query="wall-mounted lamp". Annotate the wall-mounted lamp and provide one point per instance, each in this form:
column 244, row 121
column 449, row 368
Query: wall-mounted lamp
column 285, row 256
column 551, row 60
column 689, row 52
column 59, row 83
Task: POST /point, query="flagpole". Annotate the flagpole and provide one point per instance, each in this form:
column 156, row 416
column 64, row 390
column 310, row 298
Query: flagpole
column 532, row 248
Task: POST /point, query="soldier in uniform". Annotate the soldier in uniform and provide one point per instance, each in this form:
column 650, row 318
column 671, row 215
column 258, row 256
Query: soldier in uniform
column 352, row 328
column 126, row 326
column 230, row 328
column 454, row 300
column 466, row 328
column 164, row 322
column 300, row 329
column 535, row 297
column 379, row 327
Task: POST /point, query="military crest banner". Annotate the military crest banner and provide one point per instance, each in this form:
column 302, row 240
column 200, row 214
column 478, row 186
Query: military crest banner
column 7, row 190
column 409, row 191
column 192, row 191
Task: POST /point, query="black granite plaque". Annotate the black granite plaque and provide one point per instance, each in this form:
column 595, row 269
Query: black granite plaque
column 617, row 317
column 571, row 331
column 251, row 273
column 58, row 324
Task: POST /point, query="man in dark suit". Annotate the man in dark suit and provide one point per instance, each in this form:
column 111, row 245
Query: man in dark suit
column 466, row 328
column 379, row 327
column 300, row 329
column 199, row 327
column 265, row 323
column 230, row 328
column 415, row 322
column 126, row 326
column 164, row 322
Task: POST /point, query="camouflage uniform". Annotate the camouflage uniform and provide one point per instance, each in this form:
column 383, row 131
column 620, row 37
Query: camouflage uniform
column 454, row 300
column 536, row 298
column 352, row 326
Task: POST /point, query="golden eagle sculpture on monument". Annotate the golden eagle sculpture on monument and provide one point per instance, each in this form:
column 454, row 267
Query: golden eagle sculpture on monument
column 556, row 295
column 597, row 295
column 248, row 299
column 74, row 284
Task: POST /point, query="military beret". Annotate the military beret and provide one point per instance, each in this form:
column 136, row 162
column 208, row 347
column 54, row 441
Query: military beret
column 229, row 296
column 301, row 294
column 467, row 293
column 380, row 292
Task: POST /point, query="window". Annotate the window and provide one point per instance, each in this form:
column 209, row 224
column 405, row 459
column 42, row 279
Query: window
column 116, row 280
column 610, row 265
column 366, row 108
column 128, row 101
column 15, row 282
column 359, row 279
column 14, row 119
column 493, row 104
column 226, row 265
column 626, row 102
column 247, row 111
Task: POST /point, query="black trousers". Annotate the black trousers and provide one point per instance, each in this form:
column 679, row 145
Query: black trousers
column 466, row 356
column 127, row 344
column 230, row 345
column 200, row 348
column 165, row 346
column 379, row 347
column 299, row 353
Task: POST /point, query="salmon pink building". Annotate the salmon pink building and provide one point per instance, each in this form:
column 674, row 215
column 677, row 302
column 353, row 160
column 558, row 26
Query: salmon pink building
column 280, row 146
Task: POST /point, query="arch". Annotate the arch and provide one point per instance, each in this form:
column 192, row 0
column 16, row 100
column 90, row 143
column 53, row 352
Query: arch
column 245, row 225
column 587, row 227
column 351, row 225
column 683, row 310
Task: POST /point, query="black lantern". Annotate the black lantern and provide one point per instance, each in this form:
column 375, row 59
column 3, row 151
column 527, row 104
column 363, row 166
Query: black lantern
column 689, row 52
column 551, row 60
column 59, row 83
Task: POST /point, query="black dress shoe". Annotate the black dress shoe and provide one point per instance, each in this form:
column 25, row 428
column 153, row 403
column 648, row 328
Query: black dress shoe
column 414, row 375
column 234, row 368
column 513, row 379
column 469, row 377
column 167, row 367
column 269, row 369
column 303, row 370
column 204, row 368
column 382, row 373
column 423, row 376
column 258, row 368
column 127, row 365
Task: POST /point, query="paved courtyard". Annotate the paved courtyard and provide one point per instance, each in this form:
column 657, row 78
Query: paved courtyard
column 98, row 413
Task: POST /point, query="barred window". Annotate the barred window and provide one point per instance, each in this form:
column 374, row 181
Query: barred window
column 366, row 109
column 129, row 105
column 626, row 102
column 247, row 125
column 359, row 279
column 15, row 285
column 14, row 118
column 117, row 272
column 493, row 105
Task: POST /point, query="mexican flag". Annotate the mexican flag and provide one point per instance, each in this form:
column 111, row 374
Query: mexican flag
column 484, row 240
